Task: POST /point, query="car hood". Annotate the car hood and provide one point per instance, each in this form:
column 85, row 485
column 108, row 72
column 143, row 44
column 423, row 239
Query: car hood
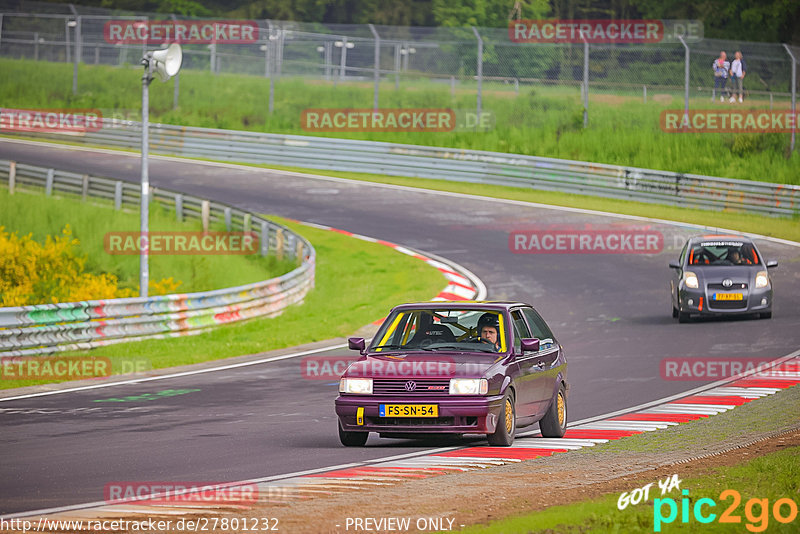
column 423, row 365
column 736, row 273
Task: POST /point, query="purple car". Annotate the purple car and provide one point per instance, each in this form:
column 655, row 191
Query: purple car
column 455, row 368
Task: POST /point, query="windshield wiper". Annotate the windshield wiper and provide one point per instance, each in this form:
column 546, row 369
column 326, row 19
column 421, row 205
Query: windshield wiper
column 390, row 346
column 462, row 349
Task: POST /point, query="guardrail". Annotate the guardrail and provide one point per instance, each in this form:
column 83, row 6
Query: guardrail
column 612, row 181
column 47, row 328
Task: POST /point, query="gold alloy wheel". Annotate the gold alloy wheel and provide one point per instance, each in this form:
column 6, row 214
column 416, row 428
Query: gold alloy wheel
column 562, row 410
column 509, row 416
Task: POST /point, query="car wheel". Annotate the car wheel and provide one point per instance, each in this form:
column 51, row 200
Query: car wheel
column 683, row 317
column 554, row 422
column 766, row 315
column 503, row 435
column 352, row 439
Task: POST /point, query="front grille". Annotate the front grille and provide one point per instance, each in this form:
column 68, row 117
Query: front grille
column 401, row 386
column 727, row 304
column 413, row 421
column 720, row 287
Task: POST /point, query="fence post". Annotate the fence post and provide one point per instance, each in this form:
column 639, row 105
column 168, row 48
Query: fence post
column 264, row 238
column 85, row 187
column 452, row 86
column 118, row 195
column 1, row 30
column 685, row 82
column 77, row 55
column 794, row 94
column 36, row 46
column 343, row 60
column 178, row 207
column 177, row 78
column 396, row 66
column 246, row 222
column 205, row 209
column 48, row 184
column 271, row 68
column 228, row 219
column 644, row 94
column 479, row 69
column 377, row 67
column 279, row 243
column 585, row 81
column 12, row 176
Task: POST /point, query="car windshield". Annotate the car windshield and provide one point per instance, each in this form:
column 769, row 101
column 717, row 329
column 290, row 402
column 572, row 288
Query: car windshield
column 723, row 253
column 454, row 329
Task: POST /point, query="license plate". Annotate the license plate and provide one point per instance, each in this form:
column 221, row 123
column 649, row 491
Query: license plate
column 409, row 410
column 728, row 296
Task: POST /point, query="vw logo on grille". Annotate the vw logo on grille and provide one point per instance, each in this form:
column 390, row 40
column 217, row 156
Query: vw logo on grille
column 727, row 282
column 411, row 385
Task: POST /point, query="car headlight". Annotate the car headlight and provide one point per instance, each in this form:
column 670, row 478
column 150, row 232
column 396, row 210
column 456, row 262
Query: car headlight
column 469, row 386
column 762, row 279
column 361, row 386
column 690, row 279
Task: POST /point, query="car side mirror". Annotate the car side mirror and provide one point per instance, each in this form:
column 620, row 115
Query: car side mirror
column 674, row 265
column 772, row 263
column 357, row 343
column 530, row 344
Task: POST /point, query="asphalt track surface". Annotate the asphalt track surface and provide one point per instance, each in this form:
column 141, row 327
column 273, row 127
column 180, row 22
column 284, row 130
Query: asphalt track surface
column 610, row 311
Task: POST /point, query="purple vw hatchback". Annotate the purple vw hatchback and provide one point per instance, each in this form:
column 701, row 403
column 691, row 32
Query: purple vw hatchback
column 455, row 368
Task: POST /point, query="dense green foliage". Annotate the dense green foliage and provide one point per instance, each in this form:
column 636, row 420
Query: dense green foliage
column 768, row 20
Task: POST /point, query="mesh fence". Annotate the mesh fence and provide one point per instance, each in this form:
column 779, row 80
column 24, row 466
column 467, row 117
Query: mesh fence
column 350, row 53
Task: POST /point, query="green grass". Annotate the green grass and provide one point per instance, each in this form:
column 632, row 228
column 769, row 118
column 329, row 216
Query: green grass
column 543, row 121
column 771, row 476
column 41, row 216
column 356, row 283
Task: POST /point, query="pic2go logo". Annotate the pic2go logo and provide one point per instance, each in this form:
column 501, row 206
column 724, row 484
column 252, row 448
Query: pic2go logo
column 757, row 522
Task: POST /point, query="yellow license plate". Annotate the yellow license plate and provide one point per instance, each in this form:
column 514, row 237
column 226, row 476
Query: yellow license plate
column 409, row 410
column 728, row 296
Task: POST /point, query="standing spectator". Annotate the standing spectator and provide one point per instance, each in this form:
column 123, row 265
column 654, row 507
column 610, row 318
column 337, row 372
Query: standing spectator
column 738, row 70
column 721, row 67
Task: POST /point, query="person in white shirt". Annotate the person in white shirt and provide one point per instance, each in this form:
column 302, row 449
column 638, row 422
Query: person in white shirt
column 738, row 70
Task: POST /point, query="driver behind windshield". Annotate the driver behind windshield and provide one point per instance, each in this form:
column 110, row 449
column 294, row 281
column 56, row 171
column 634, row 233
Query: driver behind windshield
column 489, row 330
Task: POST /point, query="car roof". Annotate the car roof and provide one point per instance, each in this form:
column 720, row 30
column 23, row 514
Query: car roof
column 720, row 237
column 473, row 304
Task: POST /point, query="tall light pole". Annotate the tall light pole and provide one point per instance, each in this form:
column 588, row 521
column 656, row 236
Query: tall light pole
column 165, row 63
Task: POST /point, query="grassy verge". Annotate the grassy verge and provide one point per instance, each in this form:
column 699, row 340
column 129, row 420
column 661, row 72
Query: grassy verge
column 542, row 121
column 41, row 216
column 356, row 283
column 772, row 476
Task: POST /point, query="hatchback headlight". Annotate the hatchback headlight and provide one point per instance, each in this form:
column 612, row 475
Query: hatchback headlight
column 361, row 386
column 690, row 279
column 469, row 386
column 762, row 279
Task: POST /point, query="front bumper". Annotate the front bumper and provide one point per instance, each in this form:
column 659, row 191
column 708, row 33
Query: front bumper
column 755, row 300
column 457, row 415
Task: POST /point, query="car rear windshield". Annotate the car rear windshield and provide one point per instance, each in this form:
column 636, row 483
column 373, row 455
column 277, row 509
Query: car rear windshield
column 445, row 329
column 723, row 253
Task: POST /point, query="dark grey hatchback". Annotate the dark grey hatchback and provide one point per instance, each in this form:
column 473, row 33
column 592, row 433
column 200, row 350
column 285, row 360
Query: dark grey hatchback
column 721, row 275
